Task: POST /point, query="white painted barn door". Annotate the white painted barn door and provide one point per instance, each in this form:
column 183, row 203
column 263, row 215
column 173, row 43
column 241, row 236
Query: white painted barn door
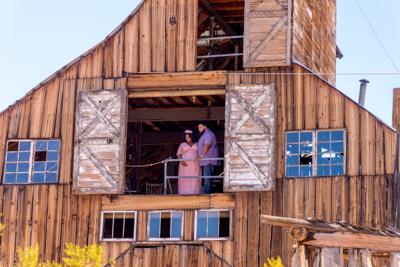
column 100, row 138
column 250, row 128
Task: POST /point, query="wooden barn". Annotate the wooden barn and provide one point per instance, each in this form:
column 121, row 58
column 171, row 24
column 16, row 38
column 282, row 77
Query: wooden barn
column 89, row 155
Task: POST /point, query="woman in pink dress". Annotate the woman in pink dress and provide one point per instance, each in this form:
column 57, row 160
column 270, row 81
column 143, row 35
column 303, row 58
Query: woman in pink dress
column 191, row 167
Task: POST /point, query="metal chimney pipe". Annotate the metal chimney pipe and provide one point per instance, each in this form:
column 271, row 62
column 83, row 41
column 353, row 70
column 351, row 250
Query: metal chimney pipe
column 363, row 91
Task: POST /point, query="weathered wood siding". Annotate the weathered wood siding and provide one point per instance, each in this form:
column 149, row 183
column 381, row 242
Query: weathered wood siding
column 100, row 142
column 267, row 33
column 314, row 36
column 51, row 215
column 250, row 133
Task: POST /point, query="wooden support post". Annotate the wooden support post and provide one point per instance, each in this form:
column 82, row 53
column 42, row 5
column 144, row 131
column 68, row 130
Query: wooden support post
column 396, row 109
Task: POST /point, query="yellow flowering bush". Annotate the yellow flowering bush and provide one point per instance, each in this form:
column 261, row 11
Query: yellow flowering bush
column 75, row 256
column 274, row 262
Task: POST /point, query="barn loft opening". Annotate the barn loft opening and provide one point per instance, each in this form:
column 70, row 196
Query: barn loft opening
column 156, row 128
column 220, row 35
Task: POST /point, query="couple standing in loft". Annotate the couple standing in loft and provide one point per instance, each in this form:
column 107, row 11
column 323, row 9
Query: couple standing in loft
column 194, row 162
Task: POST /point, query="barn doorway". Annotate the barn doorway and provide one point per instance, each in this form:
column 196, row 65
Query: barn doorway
column 156, row 129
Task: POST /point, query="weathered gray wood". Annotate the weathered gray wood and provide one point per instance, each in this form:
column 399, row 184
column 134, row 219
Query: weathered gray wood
column 332, row 257
column 267, row 33
column 250, row 128
column 100, row 138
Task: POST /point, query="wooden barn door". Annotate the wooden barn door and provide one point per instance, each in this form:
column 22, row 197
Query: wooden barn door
column 250, row 128
column 267, row 34
column 100, row 138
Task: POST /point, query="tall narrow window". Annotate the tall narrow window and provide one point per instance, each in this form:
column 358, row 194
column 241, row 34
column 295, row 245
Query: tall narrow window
column 213, row 224
column 315, row 153
column 118, row 226
column 165, row 225
column 32, row 161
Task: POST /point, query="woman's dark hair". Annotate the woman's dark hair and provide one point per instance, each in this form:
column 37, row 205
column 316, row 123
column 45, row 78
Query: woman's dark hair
column 191, row 135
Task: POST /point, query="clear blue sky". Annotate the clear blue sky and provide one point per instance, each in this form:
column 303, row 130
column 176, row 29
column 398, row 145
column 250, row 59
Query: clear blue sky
column 38, row 37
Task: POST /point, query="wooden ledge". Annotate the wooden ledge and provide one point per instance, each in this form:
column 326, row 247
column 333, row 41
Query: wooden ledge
column 168, row 202
column 177, row 84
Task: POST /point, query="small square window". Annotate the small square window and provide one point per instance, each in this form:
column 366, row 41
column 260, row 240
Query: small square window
column 165, row 225
column 118, row 226
column 41, row 146
column 213, row 224
column 53, row 145
column 27, row 161
column 38, row 178
column 25, row 146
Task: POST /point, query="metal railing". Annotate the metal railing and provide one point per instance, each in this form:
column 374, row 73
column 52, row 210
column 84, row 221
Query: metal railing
column 169, row 177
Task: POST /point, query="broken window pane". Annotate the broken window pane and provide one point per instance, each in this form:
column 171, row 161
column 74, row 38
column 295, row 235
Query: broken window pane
column 329, row 153
column 299, row 152
column 13, row 146
column 118, row 225
column 165, row 225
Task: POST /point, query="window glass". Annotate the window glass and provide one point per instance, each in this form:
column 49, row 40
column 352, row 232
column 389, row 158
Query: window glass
column 176, row 228
column 154, row 225
column 32, row 161
column 330, row 153
column 17, row 164
column 299, row 153
column 213, row 224
column 46, row 161
column 118, row 225
column 165, row 225
column 201, row 224
column 326, row 160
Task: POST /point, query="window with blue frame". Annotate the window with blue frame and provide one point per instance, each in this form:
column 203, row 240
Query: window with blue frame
column 213, row 224
column 165, row 225
column 315, row 153
column 32, row 161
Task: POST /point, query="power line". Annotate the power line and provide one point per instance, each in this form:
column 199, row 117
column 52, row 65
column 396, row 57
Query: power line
column 377, row 36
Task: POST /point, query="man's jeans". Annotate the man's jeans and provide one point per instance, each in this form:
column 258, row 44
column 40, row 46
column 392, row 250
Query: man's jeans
column 208, row 170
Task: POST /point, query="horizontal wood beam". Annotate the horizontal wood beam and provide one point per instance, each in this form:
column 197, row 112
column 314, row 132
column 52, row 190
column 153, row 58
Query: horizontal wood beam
column 322, row 234
column 177, row 114
column 292, row 222
column 168, row 202
column 355, row 240
column 160, row 138
column 177, row 84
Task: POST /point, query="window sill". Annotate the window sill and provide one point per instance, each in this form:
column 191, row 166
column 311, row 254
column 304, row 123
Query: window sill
column 168, row 202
